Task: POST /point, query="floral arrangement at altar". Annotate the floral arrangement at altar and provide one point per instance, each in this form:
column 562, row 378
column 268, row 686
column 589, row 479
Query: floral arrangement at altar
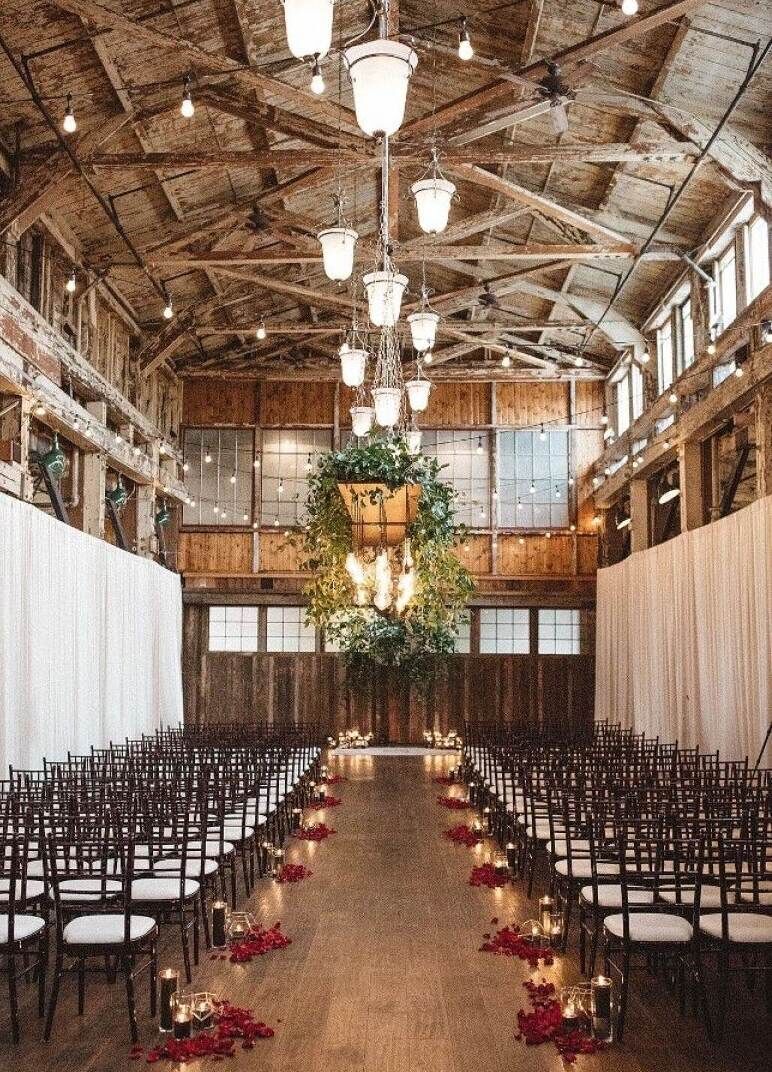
column 387, row 589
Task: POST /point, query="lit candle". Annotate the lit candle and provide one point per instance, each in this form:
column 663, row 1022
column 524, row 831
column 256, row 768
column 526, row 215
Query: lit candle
column 219, row 912
column 202, row 1010
column 238, row 928
column 602, row 1020
column 472, row 793
column 183, row 1022
column 500, row 862
column 169, row 979
column 546, row 905
column 297, row 817
column 488, row 820
column 512, row 855
column 278, row 862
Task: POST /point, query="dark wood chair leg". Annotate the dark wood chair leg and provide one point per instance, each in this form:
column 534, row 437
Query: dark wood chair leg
column 12, row 994
column 42, row 970
column 205, row 918
column 81, row 984
column 196, row 925
column 128, row 970
column 623, row 992
column 723, row 991
column 54, row 996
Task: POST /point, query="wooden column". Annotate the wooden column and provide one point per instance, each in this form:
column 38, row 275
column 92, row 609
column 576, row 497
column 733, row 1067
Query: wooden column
column 690, row 478
column 640, row 515
column 94, row 481
column 147, row 540
column 28, row 480
column 763, row 415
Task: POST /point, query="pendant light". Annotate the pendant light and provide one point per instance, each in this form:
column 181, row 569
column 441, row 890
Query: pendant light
column 69, row 123
column 465, row 50
column 668, row 489
column 423, row 329
column 361, row 420
column 418, row 391
column 352, row 366
column 388, row 402
column 308, row 24
column 338, row 245
column 379, row 72
column 413, row 438
column 432, row 199
column 384, row 296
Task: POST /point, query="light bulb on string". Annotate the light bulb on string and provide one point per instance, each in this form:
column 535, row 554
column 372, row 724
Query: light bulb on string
column 233, row 477
column 280, row 488
column 168, row 310
column 261, row 330
column 207, row 458
column 532, row 488
column 479, row 445
column 542, row 433
column 317, row 79
column 465, row 50
column 256, row 463
column 506, row 361
column 557, row 492
column 187, row 108
column 72, row 282
column 629, row 7
column 276, row 522
column 69, row 123
column 309, row 464
column 215, row 509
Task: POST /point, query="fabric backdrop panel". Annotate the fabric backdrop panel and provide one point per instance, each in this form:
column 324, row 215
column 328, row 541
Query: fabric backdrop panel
column 684, row 636
column 90, row 640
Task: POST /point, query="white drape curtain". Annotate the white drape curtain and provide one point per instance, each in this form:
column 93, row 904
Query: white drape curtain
column 90, row 640
column 684, row 636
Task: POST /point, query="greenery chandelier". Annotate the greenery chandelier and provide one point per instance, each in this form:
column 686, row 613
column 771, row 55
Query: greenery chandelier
column 387, row 589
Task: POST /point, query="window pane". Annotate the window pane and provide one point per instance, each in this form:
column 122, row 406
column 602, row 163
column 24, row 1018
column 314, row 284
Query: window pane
column 758, row 257
column 464, row 464
column 559, row 632
column 533, row 479
column 286, row 630
column 504, row 631
column 289, row 457
column 463, row 638
column 665, row 356
column 233, row 629
column 727, row 288
column 687, row 333
column 636, row 377
column 219, row 476
column 623, row 404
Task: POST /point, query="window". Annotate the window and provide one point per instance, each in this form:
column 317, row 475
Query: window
column 504, row 631
column 219, row 476
column 623, row 404
column 636, row 384
column 463, row 639
column 723, row 372
column 233, row 629
column 286, row 630
column 533, row 479
column 725, row 290
column 665, row 355
column 757, row 256
column 559, row 632
column 464, row 464
column 288, row 459
column 685, row 335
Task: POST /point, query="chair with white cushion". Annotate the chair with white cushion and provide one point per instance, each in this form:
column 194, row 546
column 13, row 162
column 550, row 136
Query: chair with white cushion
column 105, row 932
column 20, row 929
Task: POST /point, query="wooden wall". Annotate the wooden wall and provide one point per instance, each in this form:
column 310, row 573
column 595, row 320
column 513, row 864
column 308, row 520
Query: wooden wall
column 554, row 691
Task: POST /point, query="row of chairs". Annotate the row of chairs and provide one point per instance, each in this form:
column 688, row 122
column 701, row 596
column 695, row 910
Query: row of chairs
column 665, row 851
column 103, row 850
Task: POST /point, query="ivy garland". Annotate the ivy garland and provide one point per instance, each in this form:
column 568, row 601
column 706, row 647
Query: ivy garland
column 429, row 625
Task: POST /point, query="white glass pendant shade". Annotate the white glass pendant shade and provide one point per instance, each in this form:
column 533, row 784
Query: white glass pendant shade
column 379, row 72
column 387, row 404
column 413, row 440
column 338, row 245
column 423, row 328
column 309, row 26
column 384, row 297
column 432, row 199
column 361, row 420
column 418, row 394
column 352, row 367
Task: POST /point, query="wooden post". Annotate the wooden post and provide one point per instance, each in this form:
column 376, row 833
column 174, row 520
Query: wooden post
column 690, row 477
column 28, row 481
column 763, row 414
column 640, row 515
column 94, row 481
column 147, row 540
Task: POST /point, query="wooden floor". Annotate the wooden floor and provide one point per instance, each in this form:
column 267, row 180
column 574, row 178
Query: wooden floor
column 384, row 973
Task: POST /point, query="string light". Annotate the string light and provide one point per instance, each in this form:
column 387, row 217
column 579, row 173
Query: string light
column 187, row 108
column 428, row 357
column 309, row 465
column 207, row 457
column 672, row 398
column 72, row 283
column 185, row 467
column 69, row 123
column 168, row 311
column 280, row 488
column 276, row 522
column 39, row 410
column 465, row 50
column 137, row 452
column 557, row 492
column 532, row 488
column 215, row 509
column 317, row 79
column 233, row 477
column 479, row 445
column 629, row 7
column 261, row 330
column 256, row 463
column 246, row 517
column 506, row 361
column 542, row 433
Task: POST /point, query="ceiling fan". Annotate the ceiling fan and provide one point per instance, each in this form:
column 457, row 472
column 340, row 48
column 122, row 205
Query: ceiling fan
column 487, row 299
column 553, row 88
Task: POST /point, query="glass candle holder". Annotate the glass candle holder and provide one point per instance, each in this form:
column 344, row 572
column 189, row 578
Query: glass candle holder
column 203, row 1011
column 169, row 980
column 546, row 908
column 183, row 1021
column 219, row 923
column 500, row 862
column 575, row 1006
column 511, row 855
column 602, row 996
column 472, row 793
column 278, row 862
column 297, row 818
column 488, row 819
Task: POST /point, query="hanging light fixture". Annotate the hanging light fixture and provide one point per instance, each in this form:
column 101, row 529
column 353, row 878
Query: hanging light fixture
column 69, row 123
column 418, row 391
column 379, row 72
column 261, row 330
column 338, row 245
column 388, row 401
column 433, row 195
column 317, row 78
column 423, row 329
column 72, row 282
column 384, row 296
column 187, row 108
column 465, row 50
column 361, row 420
column 668, row 489
column 308, row 24
column 352, row 366
column 413, row 437
column 168, row 310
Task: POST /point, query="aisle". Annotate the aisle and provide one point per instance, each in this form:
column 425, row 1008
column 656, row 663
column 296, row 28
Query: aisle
column 384, row 972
